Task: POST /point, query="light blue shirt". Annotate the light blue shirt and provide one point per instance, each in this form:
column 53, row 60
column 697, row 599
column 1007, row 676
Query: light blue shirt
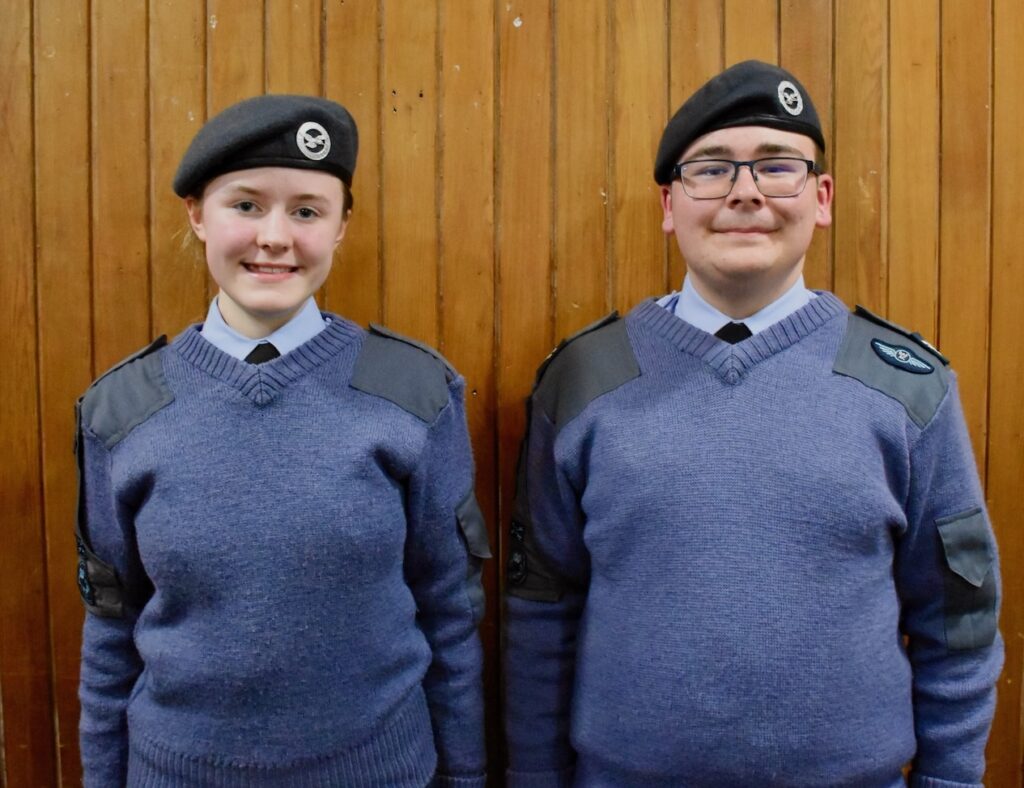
column 690, row 306
column 307, row 323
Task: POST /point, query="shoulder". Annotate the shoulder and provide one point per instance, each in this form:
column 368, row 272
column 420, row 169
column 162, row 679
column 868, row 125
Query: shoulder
column 894, row 361
column 593, row 361
column 126, row 395
column 403, row 371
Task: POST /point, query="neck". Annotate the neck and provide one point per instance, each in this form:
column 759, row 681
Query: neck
column 739, row 299
column 248, row 325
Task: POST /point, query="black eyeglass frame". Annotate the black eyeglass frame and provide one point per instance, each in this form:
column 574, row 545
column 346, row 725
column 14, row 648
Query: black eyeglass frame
column 812, row 169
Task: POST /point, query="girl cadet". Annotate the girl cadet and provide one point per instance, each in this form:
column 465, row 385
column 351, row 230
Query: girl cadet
column 279, row 544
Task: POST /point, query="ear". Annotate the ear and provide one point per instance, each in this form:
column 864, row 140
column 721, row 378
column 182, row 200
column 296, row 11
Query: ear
column 194, row 207
column 344, row 227
column 823, row 195
column 667, row 220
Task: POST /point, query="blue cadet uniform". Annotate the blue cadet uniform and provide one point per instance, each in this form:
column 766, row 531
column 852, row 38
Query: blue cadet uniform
column 764, row 563
column 280, row 563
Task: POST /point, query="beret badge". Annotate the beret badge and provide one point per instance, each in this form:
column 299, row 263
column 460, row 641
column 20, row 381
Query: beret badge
column 790, row 98
column 313, row 140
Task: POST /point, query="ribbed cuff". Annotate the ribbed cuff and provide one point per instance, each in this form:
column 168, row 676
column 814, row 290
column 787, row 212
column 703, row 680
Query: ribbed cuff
column 449, row 781
column 555, row 779
column 923, row 781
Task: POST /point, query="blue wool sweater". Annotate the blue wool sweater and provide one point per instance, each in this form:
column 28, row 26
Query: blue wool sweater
column 295, row 603
column 718, row 550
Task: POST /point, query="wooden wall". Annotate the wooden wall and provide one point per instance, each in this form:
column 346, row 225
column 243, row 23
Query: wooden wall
column 504, row 198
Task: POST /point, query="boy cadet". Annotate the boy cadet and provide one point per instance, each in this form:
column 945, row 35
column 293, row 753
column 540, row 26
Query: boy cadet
column 750, row 547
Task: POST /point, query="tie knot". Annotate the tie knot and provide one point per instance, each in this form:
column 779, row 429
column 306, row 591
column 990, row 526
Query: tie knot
column 261, row 353
column 733, row 332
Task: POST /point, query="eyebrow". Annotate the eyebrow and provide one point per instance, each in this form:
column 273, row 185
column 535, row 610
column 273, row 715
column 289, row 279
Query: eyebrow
column 714, row 151
column 308, row 197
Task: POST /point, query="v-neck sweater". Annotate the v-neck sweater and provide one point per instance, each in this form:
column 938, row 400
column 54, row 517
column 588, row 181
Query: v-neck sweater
column 742, row 538
column 299, row 611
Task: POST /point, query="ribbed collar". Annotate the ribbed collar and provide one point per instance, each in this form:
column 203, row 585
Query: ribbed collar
column 262, row 383
column 732, row 362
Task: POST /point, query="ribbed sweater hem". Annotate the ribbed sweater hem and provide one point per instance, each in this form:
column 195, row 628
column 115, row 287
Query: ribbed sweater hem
column 562, row 778
column 400, row 753
column 923, row 781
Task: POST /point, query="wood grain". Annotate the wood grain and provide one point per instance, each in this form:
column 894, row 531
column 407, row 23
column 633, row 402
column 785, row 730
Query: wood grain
column 65, row 330
column 581, row 154
column 639, row 248
column 913, row 199
column 860, row 274
column 25, row 667
column 293, row 46
column 409, row 169
column 964, row 270
column 352, row 77
column 751, row 31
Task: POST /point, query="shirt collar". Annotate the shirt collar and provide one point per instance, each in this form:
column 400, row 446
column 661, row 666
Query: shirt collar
column 690, row 306
column 306, row 324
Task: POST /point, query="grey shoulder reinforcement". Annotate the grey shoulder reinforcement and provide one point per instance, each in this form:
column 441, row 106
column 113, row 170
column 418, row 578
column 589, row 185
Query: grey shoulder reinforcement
column 126, row 395
column 900, row 364
column 411, row 375
column 590, row 363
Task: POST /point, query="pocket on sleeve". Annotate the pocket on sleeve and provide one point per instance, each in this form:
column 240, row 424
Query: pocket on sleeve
column 474, row 533
column 970, row 583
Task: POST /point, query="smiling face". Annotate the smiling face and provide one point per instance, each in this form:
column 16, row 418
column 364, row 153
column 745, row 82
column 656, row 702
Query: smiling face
column 745, row 250
column 270, row 235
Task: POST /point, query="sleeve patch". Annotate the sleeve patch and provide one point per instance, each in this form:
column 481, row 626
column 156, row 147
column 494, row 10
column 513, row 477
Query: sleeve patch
column 98, row 584
column 474, row 532
column 970, row 610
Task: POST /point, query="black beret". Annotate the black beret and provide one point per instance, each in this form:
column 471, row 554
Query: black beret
column 301, row 132
column 750, row 93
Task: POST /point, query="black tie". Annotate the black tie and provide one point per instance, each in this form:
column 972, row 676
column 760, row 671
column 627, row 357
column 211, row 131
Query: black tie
column 733, row 332
column 262, row 352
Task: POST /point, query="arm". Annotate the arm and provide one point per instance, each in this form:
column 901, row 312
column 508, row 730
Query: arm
column 547, row 579
column 110, row 665
column 948, row 579
column 447, row 541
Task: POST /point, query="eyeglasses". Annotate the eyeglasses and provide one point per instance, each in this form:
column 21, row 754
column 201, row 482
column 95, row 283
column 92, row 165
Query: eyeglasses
column 712, row 179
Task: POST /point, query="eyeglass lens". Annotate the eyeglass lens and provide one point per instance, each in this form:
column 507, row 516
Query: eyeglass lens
column 713, row 178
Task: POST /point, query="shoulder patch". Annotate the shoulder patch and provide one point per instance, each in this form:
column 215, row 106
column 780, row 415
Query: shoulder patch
column 591, row 362
column 408, row 373
column 126, row 395
column 867, row 314
column 878, row 354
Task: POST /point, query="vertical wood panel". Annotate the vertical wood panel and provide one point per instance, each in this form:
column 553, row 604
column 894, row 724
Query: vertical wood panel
column 409, row 171
column 696, row 53
column 640, row 52
column 1006, row 438
column 913, row 174
column 965, row 204
column 751, row 31
column 177, row 74
column 120, row 188
column 524, row 228
column 805, row 45
column 234, row 52
column 581, row 165
column 467, row 275
column 859, row 159
column 293, row 46
column 63, row 296
column 351, row 77
column 24, row 640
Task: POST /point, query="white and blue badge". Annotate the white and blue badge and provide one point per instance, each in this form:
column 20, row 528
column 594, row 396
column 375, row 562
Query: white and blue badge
column 313, row 140
column 901, row 357
column 790, row 98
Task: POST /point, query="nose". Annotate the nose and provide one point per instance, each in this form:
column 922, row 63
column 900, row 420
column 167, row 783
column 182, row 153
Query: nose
column 274, row 232
column 744, row 186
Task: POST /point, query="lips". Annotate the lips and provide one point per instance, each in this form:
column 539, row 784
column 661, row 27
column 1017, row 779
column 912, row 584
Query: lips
column 268, row 269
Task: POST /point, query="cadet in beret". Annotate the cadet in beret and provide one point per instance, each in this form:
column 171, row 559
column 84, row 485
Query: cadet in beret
column 749, row 546
column 279, row 545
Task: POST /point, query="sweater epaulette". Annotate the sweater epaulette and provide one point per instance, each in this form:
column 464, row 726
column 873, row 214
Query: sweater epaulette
column 894, row 361
column 401, row 370
column 126, row 395
column 595, row 360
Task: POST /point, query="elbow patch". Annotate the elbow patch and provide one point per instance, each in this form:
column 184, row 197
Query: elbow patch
column 970, row 584
column 474, row 533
